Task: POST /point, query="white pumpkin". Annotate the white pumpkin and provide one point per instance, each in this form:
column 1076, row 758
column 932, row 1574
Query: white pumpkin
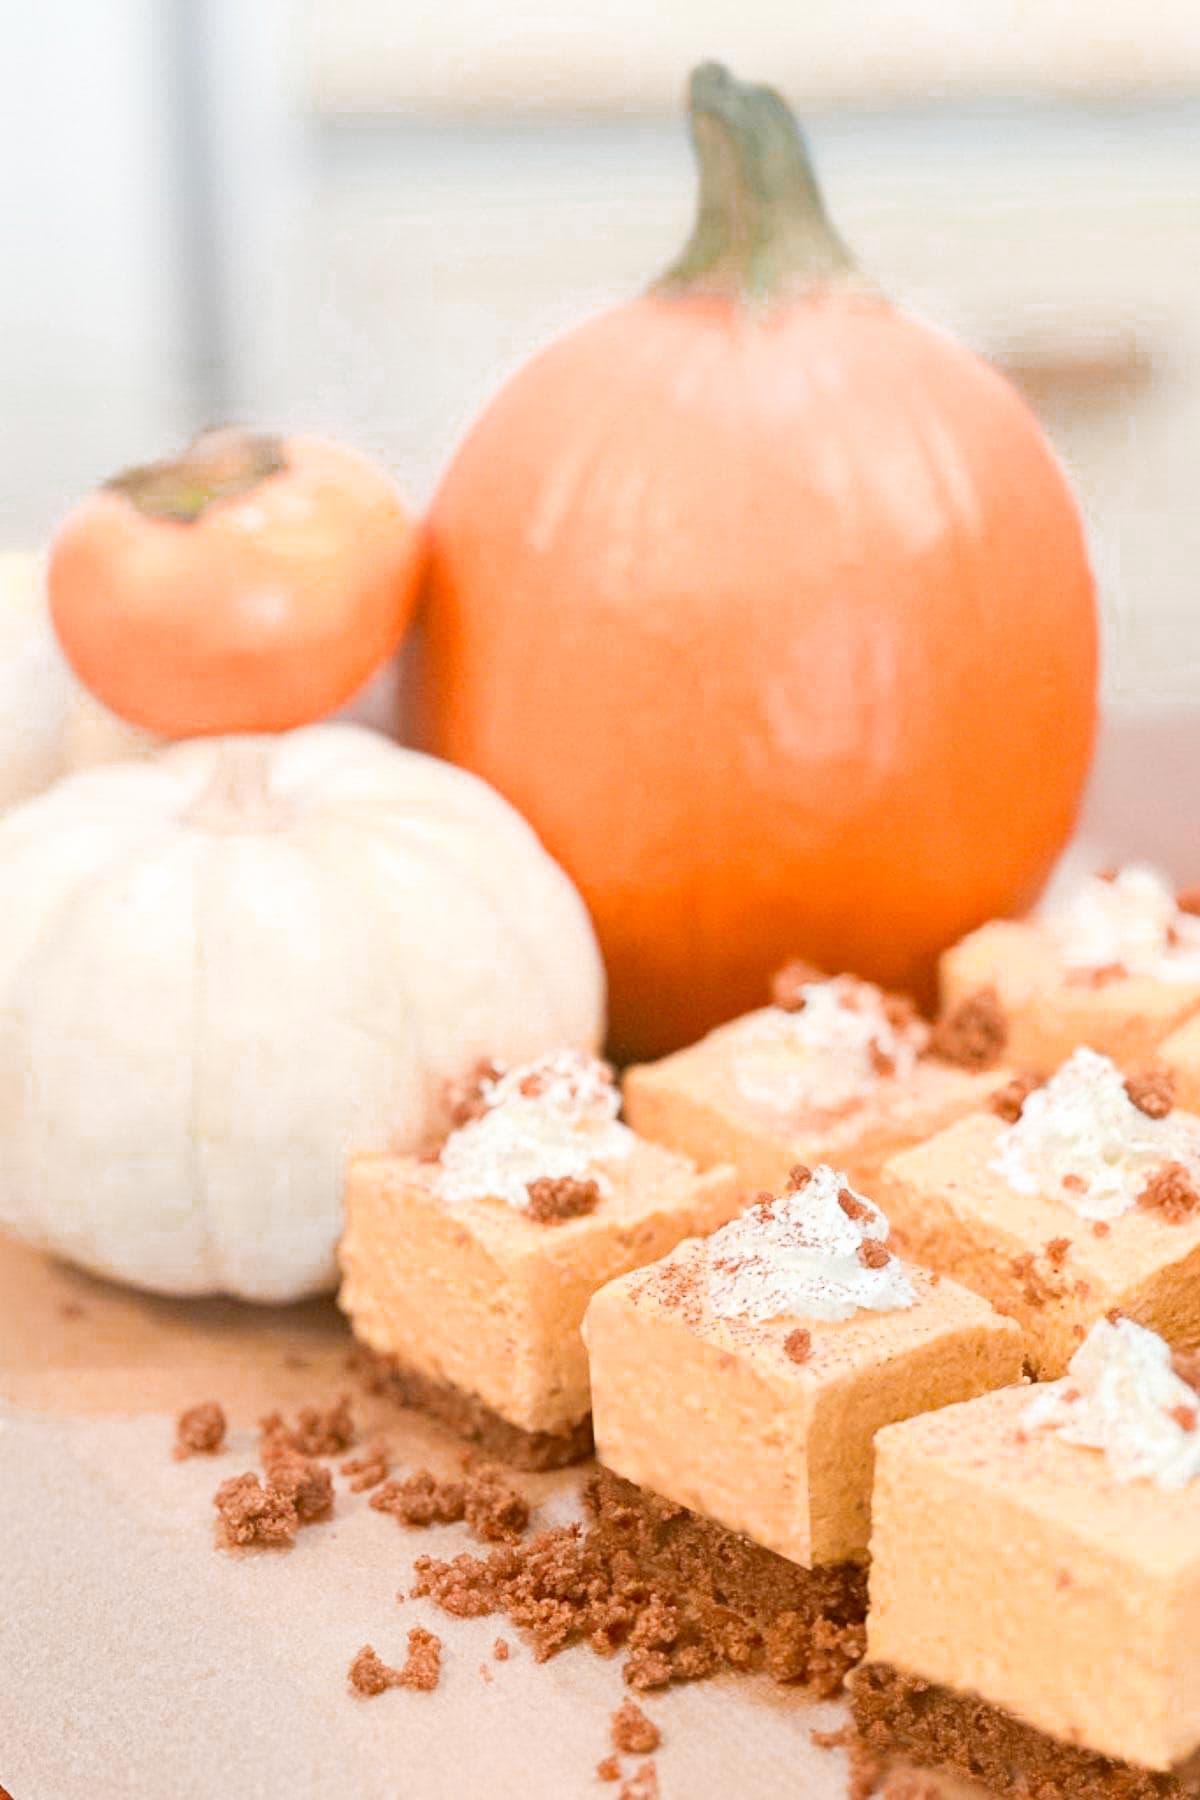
column 37, row 691
column 225, row 966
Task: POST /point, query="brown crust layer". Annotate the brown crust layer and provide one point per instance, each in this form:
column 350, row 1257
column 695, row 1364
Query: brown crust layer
column 471, row 1417
column 938, row 1727
column 801, row 1625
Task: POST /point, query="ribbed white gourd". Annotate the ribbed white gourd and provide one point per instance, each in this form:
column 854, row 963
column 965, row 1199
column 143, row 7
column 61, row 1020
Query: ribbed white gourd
column 227, row 965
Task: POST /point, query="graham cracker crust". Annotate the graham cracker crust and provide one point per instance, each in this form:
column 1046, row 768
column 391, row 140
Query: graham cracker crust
column 471, row 1417
column 940, row 1728
column 801, row 1625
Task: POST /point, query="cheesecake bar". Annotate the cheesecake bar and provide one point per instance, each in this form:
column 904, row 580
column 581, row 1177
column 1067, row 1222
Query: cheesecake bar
column 739, row 1383
column 1116, row 966
column 1084, row 1198
column 1035, row 1582
column 1179, row 1055
column 835, row 1068
column 466, row 1274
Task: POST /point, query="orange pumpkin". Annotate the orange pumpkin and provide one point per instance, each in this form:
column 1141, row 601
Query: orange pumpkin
column 251, row 584
column 769, row 607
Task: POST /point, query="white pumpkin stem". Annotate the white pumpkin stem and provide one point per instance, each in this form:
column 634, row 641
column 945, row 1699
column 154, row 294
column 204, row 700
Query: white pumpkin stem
column 238, row 796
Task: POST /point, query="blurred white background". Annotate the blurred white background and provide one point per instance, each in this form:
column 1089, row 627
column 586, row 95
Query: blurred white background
column 356, row 215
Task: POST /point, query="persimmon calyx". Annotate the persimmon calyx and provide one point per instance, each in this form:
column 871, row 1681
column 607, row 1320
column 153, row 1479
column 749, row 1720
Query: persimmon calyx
column 220, row 464
column 761, row 232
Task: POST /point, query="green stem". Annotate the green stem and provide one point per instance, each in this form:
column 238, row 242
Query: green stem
column 761, row 231
column 217, row 465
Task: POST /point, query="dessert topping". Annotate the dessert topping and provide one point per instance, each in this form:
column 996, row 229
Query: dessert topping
column 1083, row 1138
column 1122, row 1396
column 1172, row 1193
column 834, row 1042
column 565, row 1197
column 1152, row 1091
column 972, row 1034
column 819, row 1252
column 549, row 1120
column 1131, row 920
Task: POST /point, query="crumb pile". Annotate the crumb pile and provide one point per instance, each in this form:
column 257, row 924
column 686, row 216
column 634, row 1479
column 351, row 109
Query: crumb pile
column 297, row 1489
column 973, row 1034
column 369, row 1675
column 643, row 1579
column 493, row 1509
column 199, row 1431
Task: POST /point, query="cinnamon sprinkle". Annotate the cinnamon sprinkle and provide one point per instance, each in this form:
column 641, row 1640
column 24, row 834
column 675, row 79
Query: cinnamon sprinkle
column 972, row 1034
column 200, row 1431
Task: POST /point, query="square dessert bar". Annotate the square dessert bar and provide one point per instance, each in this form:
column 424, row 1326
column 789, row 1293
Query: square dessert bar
column 834, row 1069
column 1084, row 1200
column 1116, row 967
column 741, row 1381
column 1179, row 1055
column 1035, row 1583
column 467, row 1275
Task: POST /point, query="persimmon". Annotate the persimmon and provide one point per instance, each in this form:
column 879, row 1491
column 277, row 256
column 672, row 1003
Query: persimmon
column 768, row 606
column 252, row 583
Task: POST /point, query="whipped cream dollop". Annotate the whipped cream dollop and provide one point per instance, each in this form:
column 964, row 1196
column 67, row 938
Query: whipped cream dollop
column 1081, row 1139
column 817, row 1252
column 1122, row 1396
column 555, row 1117
column 839, row 1043
column 1132, row 922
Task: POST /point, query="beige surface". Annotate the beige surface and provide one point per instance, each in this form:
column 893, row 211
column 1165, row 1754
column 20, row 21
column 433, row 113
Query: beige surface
column 480, row 1295
column 950, row 1211
column 1049, row 1015
column 689, row 1102
column 713, row 1413
column 138, row 1662
column 1012, row 1564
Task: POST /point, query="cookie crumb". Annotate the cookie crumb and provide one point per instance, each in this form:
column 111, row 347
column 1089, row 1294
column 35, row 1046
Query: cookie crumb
column 368, row 1675
column 1184, row 1417
column 832, row 1740
column 306, row 1483
column 797, row 1345
column 495, row 1511
column 972, row 1034
column 851, row 1205
column 423, row 1665
column 788, row 984
column 554, row 1198
column 609, row 1769
column 642, row 1784
column 1009, row 1101
column 315, row 1433
column 1101, row 1228
column 799, row 1176
column 200, row 1431
column 632, row 1732
column 1171, row 1193
column 1152, row 1091
column 421, row 1499
column 874, row 1255
column 501, row 1650
column 369, row 1468
column 463, row 1097
column 249, row 1513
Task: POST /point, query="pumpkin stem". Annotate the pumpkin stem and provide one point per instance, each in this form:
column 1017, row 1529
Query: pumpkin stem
column 217, row 465
column 761, row 231
column 237, row 795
